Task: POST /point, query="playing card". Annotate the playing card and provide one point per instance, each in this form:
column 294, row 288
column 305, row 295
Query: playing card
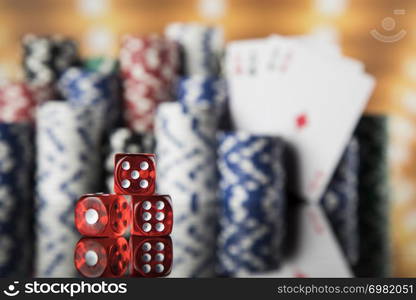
column 310, row 100
column 316, row 252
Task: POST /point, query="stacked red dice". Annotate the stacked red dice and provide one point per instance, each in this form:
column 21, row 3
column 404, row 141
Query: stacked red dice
column 105, row 218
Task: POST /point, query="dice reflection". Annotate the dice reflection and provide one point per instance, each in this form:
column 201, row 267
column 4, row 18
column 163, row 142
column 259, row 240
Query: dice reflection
column 115, row 257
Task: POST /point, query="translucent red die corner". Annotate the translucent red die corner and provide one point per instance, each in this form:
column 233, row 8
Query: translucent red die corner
column 102, row 257
column 150, row 256
column 134, row 174
column 152, row 215
column 102, row 215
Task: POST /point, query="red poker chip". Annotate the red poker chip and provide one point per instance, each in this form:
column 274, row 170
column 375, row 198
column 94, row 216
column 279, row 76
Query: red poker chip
column 17, row 103
column 148, row 69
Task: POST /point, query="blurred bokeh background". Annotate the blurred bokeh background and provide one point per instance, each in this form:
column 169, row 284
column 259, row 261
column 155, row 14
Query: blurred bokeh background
column 97, row 25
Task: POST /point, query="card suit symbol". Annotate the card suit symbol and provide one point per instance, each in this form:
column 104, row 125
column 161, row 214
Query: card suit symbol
column 301, row 121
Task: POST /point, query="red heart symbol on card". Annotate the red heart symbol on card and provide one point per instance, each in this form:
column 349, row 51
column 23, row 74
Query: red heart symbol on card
column 301, row 120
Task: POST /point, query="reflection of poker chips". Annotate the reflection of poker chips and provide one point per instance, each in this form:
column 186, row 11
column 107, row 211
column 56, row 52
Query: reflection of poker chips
column 252, row 203
column 341, row 199
column 67, row 167
column 17, row 103
column 16, row 202
column 124, row 140
column 194, row 238
column 107, row 257
column 186, row 141
column 373, row 207
column 148, row 67
column 44, row 59
column 201, row 47
column 202, row 91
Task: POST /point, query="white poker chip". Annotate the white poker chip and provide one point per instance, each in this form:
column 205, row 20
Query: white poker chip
column 194, row 235
column 68, row 140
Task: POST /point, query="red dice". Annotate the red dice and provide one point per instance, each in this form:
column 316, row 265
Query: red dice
column 102, row 257
column 150, row 256
column 102, row 215
column 134, row 174
column 152, row 215
column 103, row 218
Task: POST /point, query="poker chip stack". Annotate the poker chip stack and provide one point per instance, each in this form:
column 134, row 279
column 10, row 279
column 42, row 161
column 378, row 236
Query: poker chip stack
column 124, row 140
column 186, row 152
column 68, row 140
column 340, row 202
column 374, row 252
column 252, row 203
column 207, row 92
column 17, row 103
column 16, row 201
column 97, row 91
column 185, row 133
column 201, row 47
column 44, row 60
column 148, row 68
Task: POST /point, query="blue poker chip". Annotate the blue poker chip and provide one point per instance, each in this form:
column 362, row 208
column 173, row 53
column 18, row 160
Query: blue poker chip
column 202, row 91
column 252, row 203
column 340, row 202
column 16, row 200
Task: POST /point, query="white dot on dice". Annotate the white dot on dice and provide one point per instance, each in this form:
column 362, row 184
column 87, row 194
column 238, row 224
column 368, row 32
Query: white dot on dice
column 144, row 184
column 160, row 246
column 147, row 227
column 147, row 216
column 159, row 268
column 146, row 268
column 146, row 205
column 160, row 227
column 160, row 205
column 91, row 258
column 91, row 216
column 144, row 165
column 146, row 257
column 125, row 165
column 159, row 257
column 146, row 247
column 125, row 183
column 135, row 174
column 160, row 216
